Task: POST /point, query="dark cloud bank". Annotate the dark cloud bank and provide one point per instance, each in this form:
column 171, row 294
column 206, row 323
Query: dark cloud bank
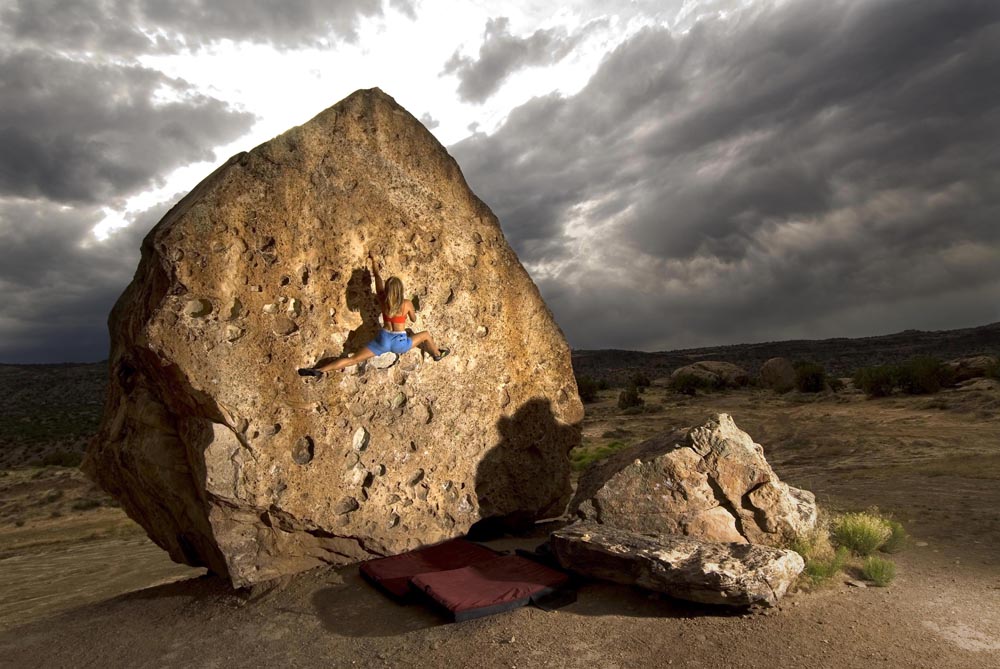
column 83, row 126
column 811, row 170
column 815, row 169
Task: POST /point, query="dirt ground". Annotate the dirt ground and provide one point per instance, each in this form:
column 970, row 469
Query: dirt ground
column 932, row 462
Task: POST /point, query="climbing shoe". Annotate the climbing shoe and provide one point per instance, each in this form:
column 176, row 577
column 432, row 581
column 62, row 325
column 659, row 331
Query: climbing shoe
column 444, row 352
column 310, row 371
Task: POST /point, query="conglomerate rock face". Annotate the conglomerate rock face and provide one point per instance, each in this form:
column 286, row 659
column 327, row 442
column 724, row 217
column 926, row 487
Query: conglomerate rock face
column 230, row 460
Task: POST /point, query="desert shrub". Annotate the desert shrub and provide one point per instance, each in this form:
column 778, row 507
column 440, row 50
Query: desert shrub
column 62, row 458
column 640, row 380
column 876, row 381
column 836, row 384
column 993, row 370
column 602, row 384
column 923, row 375
column 822, row 562
column 581, row 458
column 897, row 538
column 86, row 504
column 862, row 533
column 879, row 570
column 587, row 387
column 688, row 384
column 629, row 397
column 822, row 569
column 810, row 377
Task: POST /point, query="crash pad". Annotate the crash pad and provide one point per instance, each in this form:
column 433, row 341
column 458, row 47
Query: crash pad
column 484, row 588
column 392, row 574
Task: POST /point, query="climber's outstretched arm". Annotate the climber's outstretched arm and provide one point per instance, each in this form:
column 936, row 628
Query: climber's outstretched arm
column 379, row 286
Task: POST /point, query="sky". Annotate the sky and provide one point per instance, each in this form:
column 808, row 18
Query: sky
column 672, row 173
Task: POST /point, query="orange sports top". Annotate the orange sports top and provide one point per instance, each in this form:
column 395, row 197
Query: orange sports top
column 386, row 318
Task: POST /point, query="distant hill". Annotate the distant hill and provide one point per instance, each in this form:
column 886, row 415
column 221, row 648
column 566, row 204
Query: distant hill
column 55, row 408
column 840, row 356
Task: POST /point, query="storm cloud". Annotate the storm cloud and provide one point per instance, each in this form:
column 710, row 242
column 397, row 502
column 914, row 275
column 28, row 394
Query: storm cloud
column 796, row 169
column 501, row 54
column 133, row 27
column 78, row 132
column 59, row 283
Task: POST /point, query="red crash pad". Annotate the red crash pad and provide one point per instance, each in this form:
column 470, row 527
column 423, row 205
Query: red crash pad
column 393, row 573
column 484, row 588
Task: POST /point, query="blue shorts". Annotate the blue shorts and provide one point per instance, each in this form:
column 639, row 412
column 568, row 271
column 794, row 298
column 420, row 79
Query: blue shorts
column 397, row 342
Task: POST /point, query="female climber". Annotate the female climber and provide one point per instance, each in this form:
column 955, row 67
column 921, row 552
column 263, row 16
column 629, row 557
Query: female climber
column 393, row 337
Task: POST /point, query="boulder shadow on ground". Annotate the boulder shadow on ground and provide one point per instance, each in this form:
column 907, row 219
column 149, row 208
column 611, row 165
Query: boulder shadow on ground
column 355, row 608
column 603, row 598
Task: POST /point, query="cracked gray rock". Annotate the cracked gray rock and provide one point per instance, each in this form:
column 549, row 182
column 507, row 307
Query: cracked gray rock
column 731, row 574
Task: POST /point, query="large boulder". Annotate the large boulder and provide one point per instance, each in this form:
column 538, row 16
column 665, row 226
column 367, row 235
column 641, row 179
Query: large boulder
column 229, row 459
column 732, row 574
column 710, row 482
column 778, row 374
column 972, row 367
column 714, row 373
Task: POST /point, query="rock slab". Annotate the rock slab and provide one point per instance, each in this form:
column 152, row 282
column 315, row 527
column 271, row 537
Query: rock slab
column 230, row 460
column 710, row 482
column 716, row 373
column 731, row 574
column 972, row 367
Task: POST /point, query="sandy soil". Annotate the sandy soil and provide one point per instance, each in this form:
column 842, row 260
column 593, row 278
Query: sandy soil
column 933, row 462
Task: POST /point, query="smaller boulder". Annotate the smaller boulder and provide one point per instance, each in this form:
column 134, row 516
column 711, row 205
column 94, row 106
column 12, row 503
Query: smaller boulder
column 730, row 574
column 778, row 374
column 714, row 373
column 973, row 367
column 710, row 482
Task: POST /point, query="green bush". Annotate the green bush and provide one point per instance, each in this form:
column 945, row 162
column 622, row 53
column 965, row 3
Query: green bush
column 879, row 571
column 821, row 569
column 602, row 384
column 923, row 375
column 587, row 387
column 993, row 370
column 62, row 458
column 630, row 397
column 688, row 384
column 876, row 381
column 897, row 538
column 581, row 458
column 810, row 377
column 640, row 380
column 836, row 384
column 86, row 504
column 862, row 533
